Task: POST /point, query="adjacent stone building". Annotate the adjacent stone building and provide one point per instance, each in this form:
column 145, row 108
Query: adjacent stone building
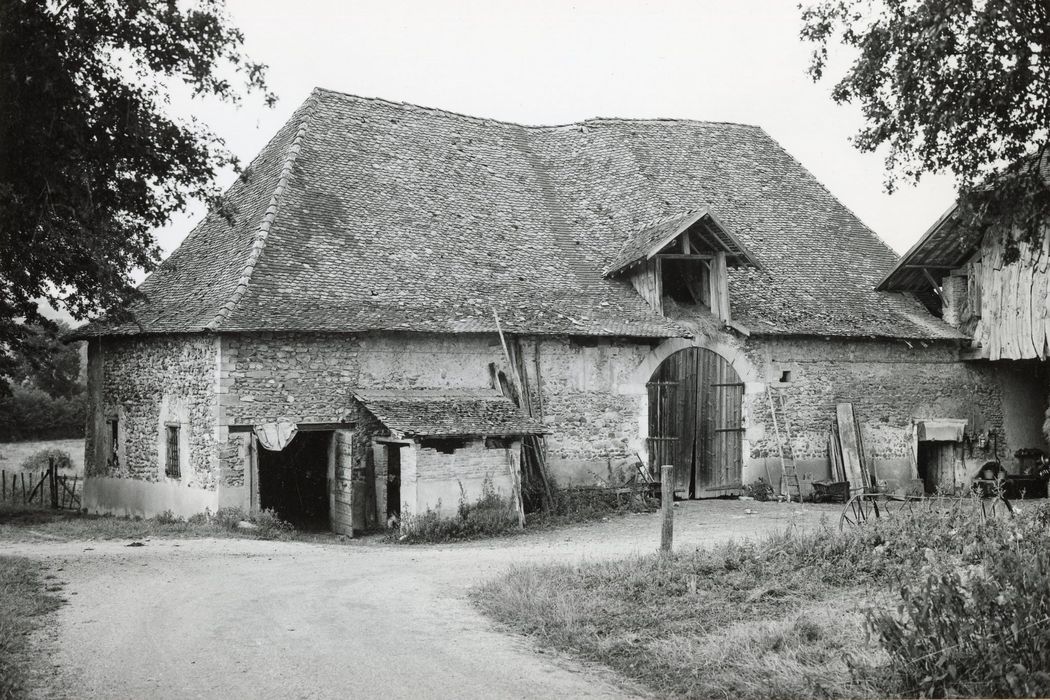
column 646, row 289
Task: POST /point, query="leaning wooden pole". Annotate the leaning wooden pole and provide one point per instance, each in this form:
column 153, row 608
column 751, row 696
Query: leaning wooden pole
column 667, row 507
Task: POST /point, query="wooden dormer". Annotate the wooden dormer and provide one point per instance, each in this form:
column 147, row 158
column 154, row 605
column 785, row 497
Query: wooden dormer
column 685, row 258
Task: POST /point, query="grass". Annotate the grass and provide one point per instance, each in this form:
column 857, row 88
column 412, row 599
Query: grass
column 810, row 614
column 23, row 602
column 773, row 619
column 29, row 524
column 578, row 505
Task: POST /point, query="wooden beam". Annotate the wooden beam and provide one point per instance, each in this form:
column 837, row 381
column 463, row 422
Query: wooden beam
column 686, row 256
column 936, row 287
column 301, row 427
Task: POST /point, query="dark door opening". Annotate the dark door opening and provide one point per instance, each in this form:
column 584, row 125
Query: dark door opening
column 696, row 423
column 936, row 466
column 293, row 482
column 393, row 482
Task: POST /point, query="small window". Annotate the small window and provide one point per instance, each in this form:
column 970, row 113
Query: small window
column 785, row 376
column 171, row 464
column 113, row 440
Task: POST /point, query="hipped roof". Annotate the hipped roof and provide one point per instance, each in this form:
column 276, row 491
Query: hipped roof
column 367, row 215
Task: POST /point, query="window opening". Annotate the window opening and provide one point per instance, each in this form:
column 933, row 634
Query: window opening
column 686, row 281
column 443, row 445
column 114, row 441
column 171, row 464
column 785, row 376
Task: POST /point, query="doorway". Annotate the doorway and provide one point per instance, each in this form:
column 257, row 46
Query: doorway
column 393, row 482
column 696, row 423
column 293, row 482
column 936, row 466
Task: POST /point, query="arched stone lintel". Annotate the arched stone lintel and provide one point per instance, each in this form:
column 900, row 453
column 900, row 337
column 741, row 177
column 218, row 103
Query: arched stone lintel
column 734, row 354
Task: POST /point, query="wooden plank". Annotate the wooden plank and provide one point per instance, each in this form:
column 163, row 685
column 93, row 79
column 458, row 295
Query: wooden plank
column 850, row 449
column 341, row 496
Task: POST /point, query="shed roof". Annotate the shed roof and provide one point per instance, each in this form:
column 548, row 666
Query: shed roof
column 366, row 215
column 945, row 246
column 448, row 413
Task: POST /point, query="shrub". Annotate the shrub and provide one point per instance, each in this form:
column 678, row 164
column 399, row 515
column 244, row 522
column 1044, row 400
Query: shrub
column 42, row 460
column 267, row 524
column 975, row 620
column 582, row 504
column 228, row 517
column 489, row 516
column 168, row 518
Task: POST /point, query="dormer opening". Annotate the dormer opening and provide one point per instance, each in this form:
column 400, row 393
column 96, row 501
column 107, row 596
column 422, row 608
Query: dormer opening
column 687, row 281
column 680, row 264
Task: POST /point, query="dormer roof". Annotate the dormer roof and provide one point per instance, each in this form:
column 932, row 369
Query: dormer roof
column 650, row 239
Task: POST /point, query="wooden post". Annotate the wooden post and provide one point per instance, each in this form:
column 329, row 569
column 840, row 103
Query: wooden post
column 3, row 485
column 667, row 506
column 23, row 487
column 53, row 483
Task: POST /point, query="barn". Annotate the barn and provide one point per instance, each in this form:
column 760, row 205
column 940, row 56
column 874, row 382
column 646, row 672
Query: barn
column 652, row 292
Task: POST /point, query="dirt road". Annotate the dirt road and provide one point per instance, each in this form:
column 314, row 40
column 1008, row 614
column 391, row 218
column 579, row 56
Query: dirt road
column 241, row 618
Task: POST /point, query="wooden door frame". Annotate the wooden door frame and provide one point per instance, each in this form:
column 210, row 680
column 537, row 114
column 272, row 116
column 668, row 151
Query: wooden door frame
column 700, row 421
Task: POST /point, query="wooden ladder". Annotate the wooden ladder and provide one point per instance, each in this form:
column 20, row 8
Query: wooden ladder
column 789, row 481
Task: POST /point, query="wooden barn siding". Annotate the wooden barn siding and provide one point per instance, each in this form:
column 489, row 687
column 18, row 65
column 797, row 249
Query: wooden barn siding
column 646, row 281
column 1011, row 301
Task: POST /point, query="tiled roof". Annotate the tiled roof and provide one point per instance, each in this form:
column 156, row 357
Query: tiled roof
column 363, row 214
column 660, row 232
column 428, row 413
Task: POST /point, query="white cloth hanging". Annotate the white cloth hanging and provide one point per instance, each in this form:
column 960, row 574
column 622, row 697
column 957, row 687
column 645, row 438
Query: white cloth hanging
column 276, row 436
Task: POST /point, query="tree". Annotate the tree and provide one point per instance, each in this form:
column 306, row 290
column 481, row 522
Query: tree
column 957, row 86
column 45, row 363
column 90, row 161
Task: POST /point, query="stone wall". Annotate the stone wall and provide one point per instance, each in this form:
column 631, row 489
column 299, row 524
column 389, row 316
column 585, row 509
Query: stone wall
column 890, row 384
column 591, row 394
column 591, row 405
column 147, row 383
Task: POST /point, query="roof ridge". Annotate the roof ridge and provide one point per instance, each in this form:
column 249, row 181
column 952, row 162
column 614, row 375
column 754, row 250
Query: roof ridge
column 506, row 122
column 263, row 231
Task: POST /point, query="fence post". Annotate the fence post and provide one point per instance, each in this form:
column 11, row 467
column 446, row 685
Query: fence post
column 53, row 482
column 667, row 506
column 3, row 485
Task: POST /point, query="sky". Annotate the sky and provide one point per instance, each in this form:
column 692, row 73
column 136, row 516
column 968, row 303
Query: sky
column 547, row 62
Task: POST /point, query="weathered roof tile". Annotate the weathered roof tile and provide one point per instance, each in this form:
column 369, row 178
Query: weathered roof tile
column 394, row 217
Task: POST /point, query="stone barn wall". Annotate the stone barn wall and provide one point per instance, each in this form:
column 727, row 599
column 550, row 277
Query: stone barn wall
column 145, row 384
column 593, row 399
column 890, row 385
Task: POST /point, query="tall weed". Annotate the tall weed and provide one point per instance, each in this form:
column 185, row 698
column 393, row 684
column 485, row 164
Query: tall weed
column 491, row 515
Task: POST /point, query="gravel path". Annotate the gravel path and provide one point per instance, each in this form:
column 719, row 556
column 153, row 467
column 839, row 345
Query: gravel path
column 244, row 618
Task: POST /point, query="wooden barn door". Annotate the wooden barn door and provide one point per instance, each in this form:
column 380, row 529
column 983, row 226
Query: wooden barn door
column 340, row 483
column 695, row 422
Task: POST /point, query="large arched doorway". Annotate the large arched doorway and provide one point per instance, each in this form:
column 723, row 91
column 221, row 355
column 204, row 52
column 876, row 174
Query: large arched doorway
column 695, row 422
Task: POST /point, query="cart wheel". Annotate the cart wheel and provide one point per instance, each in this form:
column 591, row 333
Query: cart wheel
column 858, row 509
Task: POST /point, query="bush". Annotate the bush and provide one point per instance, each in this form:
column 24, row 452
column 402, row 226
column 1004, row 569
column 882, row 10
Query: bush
column 265, row 524
column 489, row 516
column 975, row 620
column 169, row 518
column 41, row 460
column 582, row 504
column 31, row 414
